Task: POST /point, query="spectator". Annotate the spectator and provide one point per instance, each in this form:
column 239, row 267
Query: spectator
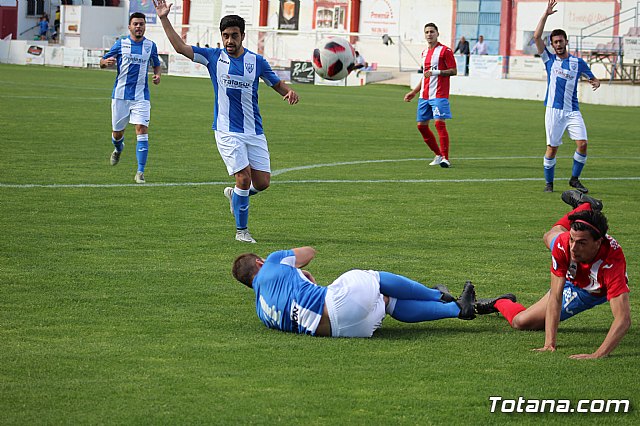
column 480, row 48
column 463, row 47
column 360, row 62
column 56, row 24
column 43, row 27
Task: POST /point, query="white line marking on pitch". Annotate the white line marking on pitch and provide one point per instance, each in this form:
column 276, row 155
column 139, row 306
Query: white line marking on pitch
column 313, row 166
column 282, row 182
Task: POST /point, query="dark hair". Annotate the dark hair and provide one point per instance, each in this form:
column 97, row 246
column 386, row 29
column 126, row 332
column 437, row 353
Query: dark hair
column 137, row 15
column 558, row 32
column 244, row 268
column 232, row 21
column 431, row 24
column 589, row 220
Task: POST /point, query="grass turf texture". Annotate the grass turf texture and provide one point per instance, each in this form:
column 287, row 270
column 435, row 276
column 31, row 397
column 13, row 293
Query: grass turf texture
column 117, row 304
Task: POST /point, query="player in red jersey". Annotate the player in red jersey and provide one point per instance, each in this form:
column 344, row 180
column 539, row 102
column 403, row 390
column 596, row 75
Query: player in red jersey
column 588, row 268
column 439, row 66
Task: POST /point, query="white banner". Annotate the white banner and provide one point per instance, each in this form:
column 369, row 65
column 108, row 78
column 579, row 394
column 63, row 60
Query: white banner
column 179, row 65
column 242, row 8
column 526, row 67
column 73, row 57
column 485, row 66
column 72, row 19
column 378, row 17
column 53, row 56
column 631, row 48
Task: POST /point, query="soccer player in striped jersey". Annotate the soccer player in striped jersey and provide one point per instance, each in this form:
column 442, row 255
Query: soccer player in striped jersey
column 130, row 97
column 354, row 305
column 588, row 268
column 563, row 112
column 439, row 66
column 235, row 73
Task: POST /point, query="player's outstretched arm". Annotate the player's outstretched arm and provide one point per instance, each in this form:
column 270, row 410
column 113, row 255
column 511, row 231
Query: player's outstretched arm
column 619, row 327
column 287, row 93
column 595, row 83
column 537, row 34
column 552, row 317
column 304, row 255
column 162, row 10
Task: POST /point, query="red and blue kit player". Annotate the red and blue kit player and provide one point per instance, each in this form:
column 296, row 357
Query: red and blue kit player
column 562, row 112
column 130, row 98
column 235, row 74
column 588, row 268
column 433, row 104
column 288, row 299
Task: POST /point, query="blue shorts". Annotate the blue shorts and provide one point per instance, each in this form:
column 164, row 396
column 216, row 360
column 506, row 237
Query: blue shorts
column 429, row 109
column 576, row 300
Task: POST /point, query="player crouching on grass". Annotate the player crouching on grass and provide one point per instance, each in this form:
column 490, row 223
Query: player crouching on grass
column 588, row 268
column 354, row 305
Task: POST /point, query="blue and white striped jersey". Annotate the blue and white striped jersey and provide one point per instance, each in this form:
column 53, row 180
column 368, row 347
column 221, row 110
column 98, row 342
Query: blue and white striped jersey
column 132, row 82
column 563, row 76
column 285, row 299
column 235, row 84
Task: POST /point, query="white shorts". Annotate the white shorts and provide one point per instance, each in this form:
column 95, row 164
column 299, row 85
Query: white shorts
column 134, row 112
column 239, row 151
column 354, row 303
column 557, row 121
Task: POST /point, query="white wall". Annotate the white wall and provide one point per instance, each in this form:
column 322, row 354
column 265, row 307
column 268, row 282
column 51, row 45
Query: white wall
column 571, row 16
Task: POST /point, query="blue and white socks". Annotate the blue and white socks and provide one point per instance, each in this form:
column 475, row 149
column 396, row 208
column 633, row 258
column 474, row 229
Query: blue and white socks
column 579, row 160
column 549, row 169
column 142, row 150
column 240, row 199
column 411, row 301
column 118, row 144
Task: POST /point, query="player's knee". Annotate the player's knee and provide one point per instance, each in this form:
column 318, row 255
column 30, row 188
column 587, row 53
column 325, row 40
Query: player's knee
column 117, row 135
column 581, row 145
column 518, row 324
column 261, row 186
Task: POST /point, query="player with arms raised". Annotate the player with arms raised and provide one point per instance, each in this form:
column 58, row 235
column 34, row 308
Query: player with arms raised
column 235, row 73
column 439, row 66
column 563, row 112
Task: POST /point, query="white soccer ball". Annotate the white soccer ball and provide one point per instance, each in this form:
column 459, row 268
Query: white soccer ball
column 334, row 58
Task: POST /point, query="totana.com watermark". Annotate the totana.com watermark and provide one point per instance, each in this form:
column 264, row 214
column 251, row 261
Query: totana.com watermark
column 522, row 405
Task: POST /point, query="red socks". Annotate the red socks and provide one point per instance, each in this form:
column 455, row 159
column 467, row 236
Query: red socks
column 429, row 138
column 565, row 222
column 509, row 309
column 441, row 127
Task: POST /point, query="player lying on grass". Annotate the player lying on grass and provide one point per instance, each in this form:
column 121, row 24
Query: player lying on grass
column 588, row 268
column 354, row 305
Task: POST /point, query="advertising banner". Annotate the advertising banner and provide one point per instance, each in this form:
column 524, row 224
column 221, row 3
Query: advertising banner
column 485, row 66
column 146, row 7
column 380, row 17
column 34, row 55
column 242, row 8
column 289, row 15
column 302, row 72
column 631, row 48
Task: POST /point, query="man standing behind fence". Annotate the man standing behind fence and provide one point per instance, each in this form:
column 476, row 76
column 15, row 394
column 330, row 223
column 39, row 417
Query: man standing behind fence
column 130, row 98
column 563, row 113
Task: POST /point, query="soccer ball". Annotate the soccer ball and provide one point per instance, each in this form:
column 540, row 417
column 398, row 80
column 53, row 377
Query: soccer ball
column 334, row 58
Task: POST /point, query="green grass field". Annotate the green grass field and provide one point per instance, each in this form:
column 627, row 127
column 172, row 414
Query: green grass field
column 117, row 304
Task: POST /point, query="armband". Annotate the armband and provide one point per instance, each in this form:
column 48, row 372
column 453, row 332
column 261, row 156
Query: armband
column 435, row 72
